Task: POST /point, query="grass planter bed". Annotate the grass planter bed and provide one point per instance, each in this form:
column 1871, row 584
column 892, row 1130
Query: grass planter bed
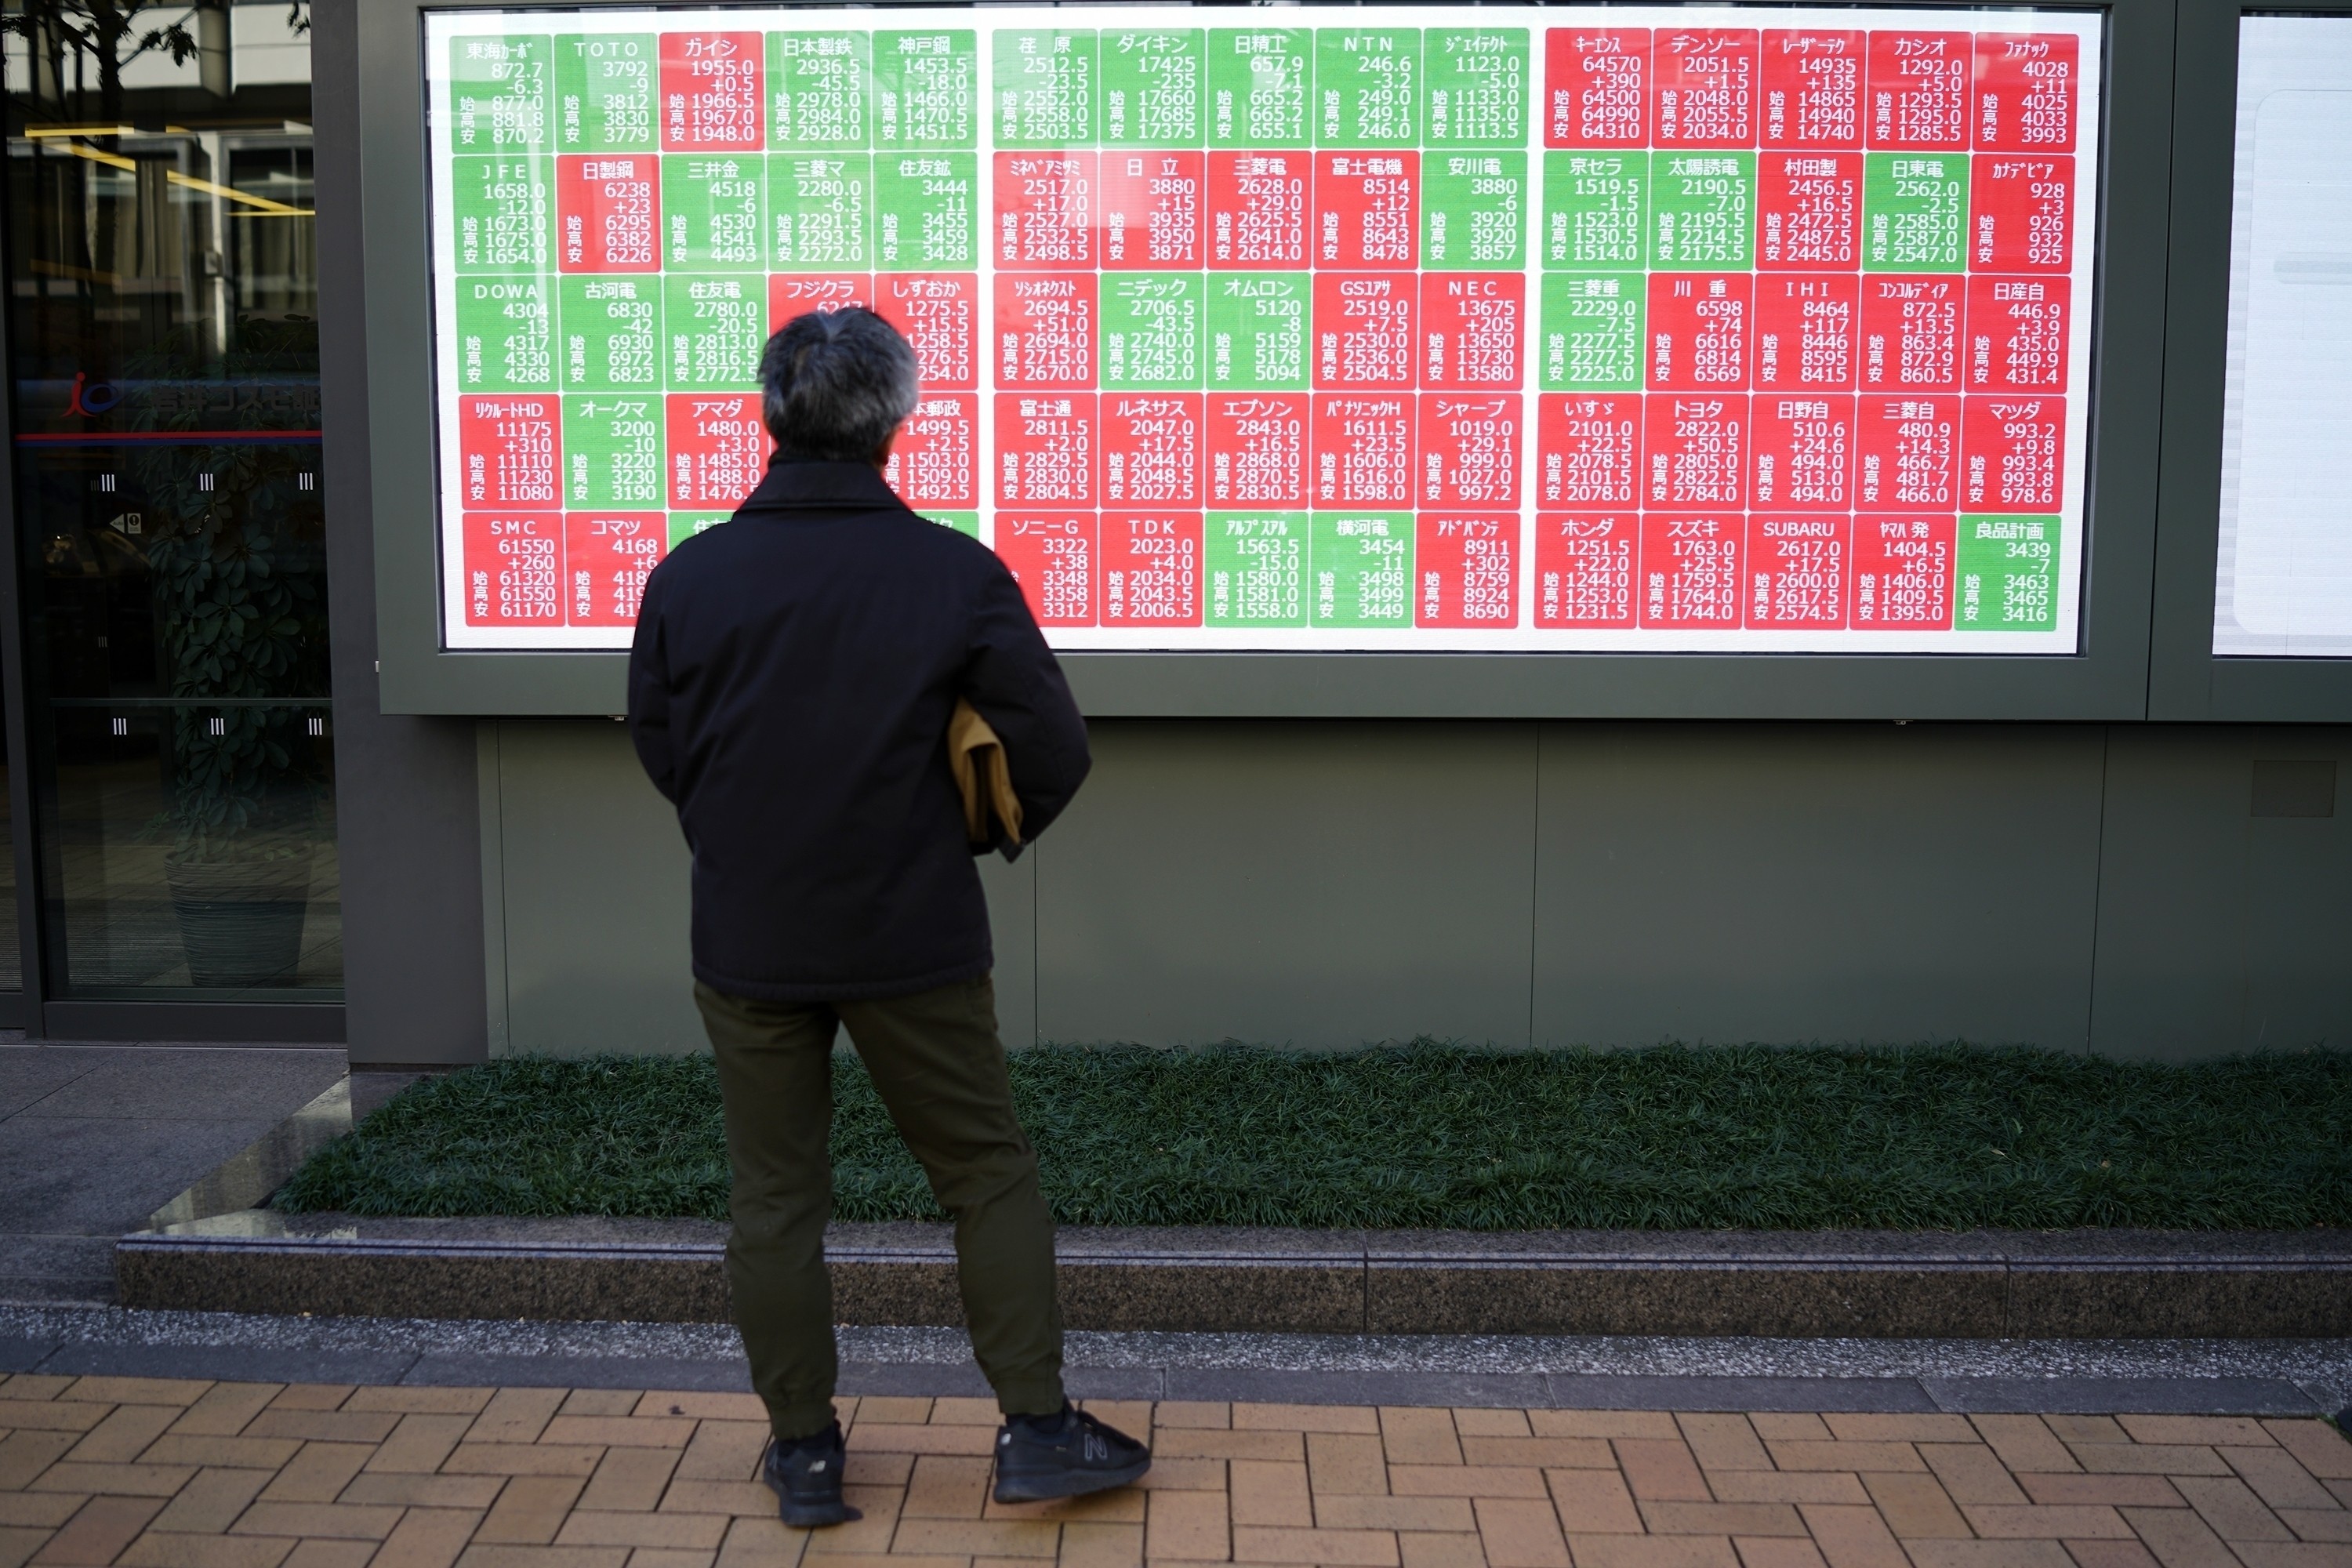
column 1438, row 1136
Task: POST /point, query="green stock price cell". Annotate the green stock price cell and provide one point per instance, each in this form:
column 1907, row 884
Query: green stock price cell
column 818, row 85
column 1595, row 204
column 505, row 341
column 613, row 452
column 610, row 333
column 1261, row 85
column 1368, row 87
column 499, row 91
column 504, row 209
column 1152, row 87
column 1702, row 210
column 926, row 212
column 1914, row 212
column 1152, row 326
column 1257, row 331
column 713, row 208
column 1047, row 81
column 1474, row 210
column 1592, row 328
column 605, row 92
column 1360, row 569
column 2006, row 569
column 685, row 525
column 964, row 522
column 716, row 327
column 1476, row 83
column 926, row 89
column 1255, row 563
column 820, row 209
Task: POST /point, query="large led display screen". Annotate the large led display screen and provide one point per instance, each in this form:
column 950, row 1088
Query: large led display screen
column 1526, row 330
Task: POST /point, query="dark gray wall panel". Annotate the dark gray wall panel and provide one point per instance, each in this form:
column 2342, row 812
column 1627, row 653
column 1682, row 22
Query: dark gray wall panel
column 2299, row 906
column 1322, row 884
column 1867, row 882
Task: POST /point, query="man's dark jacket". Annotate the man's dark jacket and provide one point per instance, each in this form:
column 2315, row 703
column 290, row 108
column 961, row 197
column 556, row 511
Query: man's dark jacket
column 790, row 689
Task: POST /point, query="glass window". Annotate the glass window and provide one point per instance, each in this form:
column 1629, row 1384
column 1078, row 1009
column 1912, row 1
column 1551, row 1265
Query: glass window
column 161, row 259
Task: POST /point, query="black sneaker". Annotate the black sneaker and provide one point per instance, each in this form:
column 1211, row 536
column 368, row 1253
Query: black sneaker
column 806, row 1479
column 1039, row 1458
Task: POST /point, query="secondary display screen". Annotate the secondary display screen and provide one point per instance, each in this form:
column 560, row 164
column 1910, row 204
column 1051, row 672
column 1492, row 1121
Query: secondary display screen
column 1543, row 328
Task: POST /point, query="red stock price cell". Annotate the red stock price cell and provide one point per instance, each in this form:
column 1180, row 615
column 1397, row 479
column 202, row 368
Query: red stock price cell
column 1362, row 445
column 1706, row 87
column 935, row 462
column 1257, row 449
column 1700, row 327
column 607, row 211
column 1469, row 450
column 2021, row 213
column 1805, row 332
column 1046, row 448
column 1364, row 328
column 1808, row 212
column 1909, row 451
column 939, row 312
column 1797, row 571
column 1911, row 333
column 1812, row 88
column 1045, row 330
column 1466, row 570
column 712, row 94
column 2025, row 91
column 1919, row 90
column 719, row 449
column 793, row 294
column 1472, row 325
column 1589, row 449
column 2017, row 332
column 1152, row 211
column 1695, row 451
column 1903, row 574
column 1690, row 569
column 1258, row 206
column 1597, row 87
column 1585, row 568
column 1051, row 556
column 1367, row 209
column 514, row 568
column 607, row 556
column 508, row 446
column 1152, row 447
column 1046, row 211
column 1804, row 453
column 2014, row 452
column 1150, row 568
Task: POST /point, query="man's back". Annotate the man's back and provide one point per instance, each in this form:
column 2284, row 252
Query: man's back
column 790, row 689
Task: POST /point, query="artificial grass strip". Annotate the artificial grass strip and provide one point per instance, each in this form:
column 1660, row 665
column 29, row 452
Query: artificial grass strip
column 1434, row 1135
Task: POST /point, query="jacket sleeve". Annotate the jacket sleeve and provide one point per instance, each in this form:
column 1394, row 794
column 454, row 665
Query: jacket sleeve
column 649, row 696
column 1013, row 680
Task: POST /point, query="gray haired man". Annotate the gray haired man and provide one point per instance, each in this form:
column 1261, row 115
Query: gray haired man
column 790, row 690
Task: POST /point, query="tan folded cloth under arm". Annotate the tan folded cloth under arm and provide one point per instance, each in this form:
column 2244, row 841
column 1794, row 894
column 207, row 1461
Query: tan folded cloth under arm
column 984, row 778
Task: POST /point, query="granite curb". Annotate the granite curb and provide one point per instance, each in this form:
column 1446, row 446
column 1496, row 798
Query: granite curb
column 2103, row 1284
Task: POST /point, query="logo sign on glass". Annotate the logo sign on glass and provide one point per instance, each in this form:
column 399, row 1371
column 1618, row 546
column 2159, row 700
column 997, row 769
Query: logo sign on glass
column 1515, row 330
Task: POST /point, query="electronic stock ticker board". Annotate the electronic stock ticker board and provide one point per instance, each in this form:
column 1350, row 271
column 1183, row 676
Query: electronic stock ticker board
column 1722, row 329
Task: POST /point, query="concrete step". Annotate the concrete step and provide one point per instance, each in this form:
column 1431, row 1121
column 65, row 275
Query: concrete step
column 2090, row 1284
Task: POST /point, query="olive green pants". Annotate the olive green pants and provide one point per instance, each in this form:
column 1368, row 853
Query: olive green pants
column 939, row 1068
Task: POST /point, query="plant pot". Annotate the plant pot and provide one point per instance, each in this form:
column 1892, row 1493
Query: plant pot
column 241, row 919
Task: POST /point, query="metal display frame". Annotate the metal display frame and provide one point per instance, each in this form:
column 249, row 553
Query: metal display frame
column 2186, row 680
column 2105, row 678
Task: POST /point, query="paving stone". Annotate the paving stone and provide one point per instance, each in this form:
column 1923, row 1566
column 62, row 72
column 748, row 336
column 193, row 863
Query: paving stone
column 1269, row 1492
column 1720, row 1441
column 2277, row 1477
column 1913, row 1506
column 99, row 1530
column 2317, row 1446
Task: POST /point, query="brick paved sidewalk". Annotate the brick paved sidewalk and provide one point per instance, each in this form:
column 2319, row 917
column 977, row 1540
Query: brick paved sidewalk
column 190, row 1475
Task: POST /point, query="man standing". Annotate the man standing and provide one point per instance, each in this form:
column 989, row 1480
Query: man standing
column 790, row 690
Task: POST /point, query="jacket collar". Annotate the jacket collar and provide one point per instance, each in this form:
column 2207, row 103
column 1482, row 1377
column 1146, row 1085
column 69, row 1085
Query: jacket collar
column 798, row 485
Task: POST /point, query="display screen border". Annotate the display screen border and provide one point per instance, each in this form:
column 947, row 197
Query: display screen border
column 2187, row 680
column 2104, row 678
